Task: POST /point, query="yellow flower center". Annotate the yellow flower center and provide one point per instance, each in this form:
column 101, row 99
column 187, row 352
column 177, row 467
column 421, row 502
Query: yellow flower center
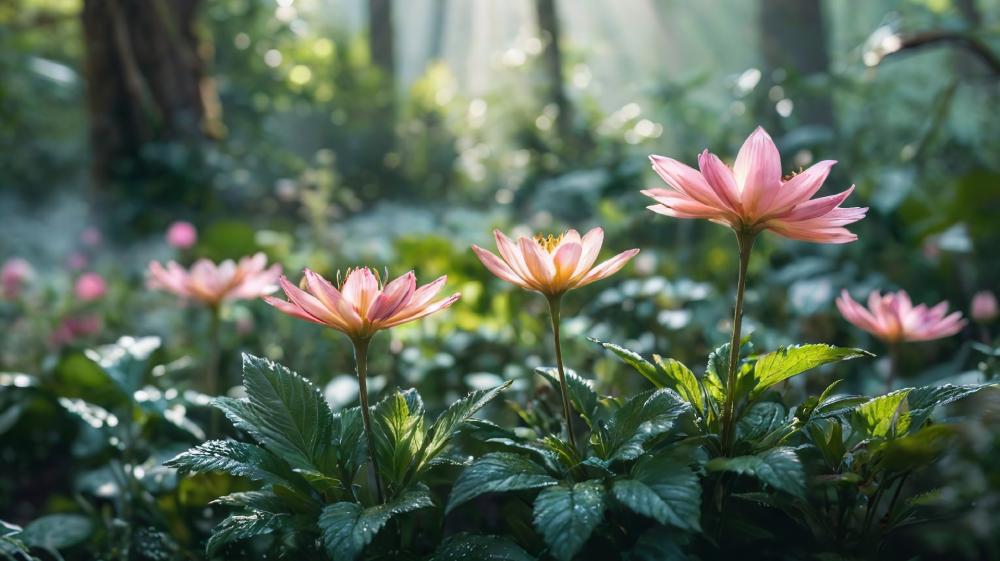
column 549, row 243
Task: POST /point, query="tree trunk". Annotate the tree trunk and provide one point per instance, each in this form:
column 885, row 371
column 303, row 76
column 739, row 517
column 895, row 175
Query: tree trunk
column 794, row 38
column 439, row 21
column 380, row 37
column 548, row 30
column 146, row 88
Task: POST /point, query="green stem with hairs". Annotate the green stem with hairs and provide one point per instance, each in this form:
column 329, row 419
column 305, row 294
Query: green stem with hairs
column 554, row 306
column 361, row 361
column 745, row 241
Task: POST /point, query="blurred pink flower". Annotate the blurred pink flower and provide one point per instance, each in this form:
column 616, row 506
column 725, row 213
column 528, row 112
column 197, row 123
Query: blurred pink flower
column 91, row 236
column 984, row 307
column 361, row 307
column 90, row 286
column 893, row 317
column 182, row 235
column 14, row 273
column 72, row 328
column 753, row 196
column 77, row 261
column 212, row 283
column 552, row 265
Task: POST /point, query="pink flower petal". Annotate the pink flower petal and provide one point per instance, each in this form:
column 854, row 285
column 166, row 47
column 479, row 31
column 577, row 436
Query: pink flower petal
column 758, row 171
column 607, row 268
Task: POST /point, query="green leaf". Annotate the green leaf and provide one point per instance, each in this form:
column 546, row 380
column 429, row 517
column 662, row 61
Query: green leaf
column 94, row 415
column 57, row 531
column 645, row 416
column 465, row 547
column 499, row 471
column 778, row 366
column 657, row 545
column 240, row 527
column 779, row 467
column 681, row 379
column 351, row 444
column 453, row 418
column 126, row 362
column 883, row 416
column 664, row 489
column 347, row 528
column 239, row 459
column 566, row 516
column 915, row 450
column 263, row 501
column 290, row 416
column 398, row 430
column 924, row 399
column 641, row 365
column 760, row 420
column 581, row 392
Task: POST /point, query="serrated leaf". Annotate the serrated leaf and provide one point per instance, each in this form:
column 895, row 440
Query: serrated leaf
column 466, row 547
column 779, row 467
column 453, row 418
column 125, row 362
column 263, row 501
column 347, row 527
column 496, row 472
column 351, row 444
column 633, row 359
column 883, row 415
column 291, row 417
column 924, row 399
column 582, row 396
column 915, row 450
column 57, row 531
column 239, row 459
column 645, row 416
column 683, row 380
column 566, row 515
column 398, row 427
column 240, row 527
column 778, row 366
column 663, row 489
column 760, row 420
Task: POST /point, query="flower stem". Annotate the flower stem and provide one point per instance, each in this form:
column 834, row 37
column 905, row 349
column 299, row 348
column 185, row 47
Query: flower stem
column 890, row 378
column 361, row 361
column 745, row 241
column 554, row 305
column 212, row 365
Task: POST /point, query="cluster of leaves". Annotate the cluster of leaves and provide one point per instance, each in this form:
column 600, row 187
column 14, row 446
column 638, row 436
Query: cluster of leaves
column 310, row 463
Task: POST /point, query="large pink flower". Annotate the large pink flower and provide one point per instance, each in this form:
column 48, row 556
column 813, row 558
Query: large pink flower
column 893, row 317
column 753, row 196
column 361, row 307
column 212, row 283
column 552, row 265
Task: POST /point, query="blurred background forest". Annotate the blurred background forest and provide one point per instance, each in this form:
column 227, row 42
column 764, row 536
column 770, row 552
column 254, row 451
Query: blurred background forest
column 332, row 133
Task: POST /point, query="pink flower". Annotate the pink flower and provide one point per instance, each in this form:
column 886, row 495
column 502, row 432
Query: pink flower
column 893, row 317
column 753, row 196
column 14, row 273
column 72, row 328
column 90, row 286
column 212, row 283
column 361, row 307
column 77, row 261
column 552, row 265
column 91, row 236
column 984, row 307
column 182, row 235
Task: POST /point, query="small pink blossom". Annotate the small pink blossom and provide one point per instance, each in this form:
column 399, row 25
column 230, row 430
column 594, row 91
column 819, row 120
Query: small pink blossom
column 984, row 307
column 77, row 261
column 91, row 236
column 361, row 306
column 72, row 328
column 552, row 265
column 212, row 283
column 13, row 275
column 893, row 317
column 753, row 196
column 182, row 235
column 90, row 286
